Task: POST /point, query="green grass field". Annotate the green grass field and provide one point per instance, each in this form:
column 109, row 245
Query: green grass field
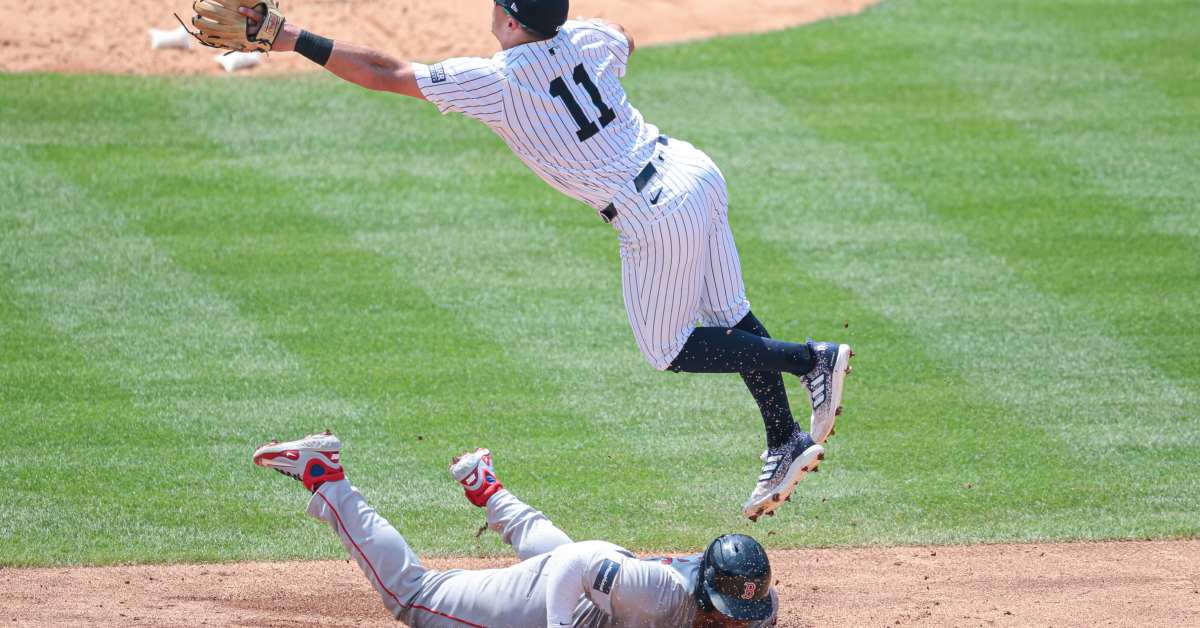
column 1000, row 199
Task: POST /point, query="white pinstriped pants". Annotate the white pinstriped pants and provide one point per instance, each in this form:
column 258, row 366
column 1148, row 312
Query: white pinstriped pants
column 679, row 264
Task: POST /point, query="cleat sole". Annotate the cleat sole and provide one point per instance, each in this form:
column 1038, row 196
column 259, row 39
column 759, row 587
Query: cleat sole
column 768, row 506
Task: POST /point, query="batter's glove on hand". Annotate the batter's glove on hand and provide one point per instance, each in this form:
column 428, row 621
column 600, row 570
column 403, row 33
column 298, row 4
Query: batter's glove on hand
column 219, row 24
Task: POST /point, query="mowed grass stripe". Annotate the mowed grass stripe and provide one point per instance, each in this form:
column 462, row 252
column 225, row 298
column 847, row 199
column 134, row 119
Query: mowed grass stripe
column 61, row 415
column 1125, row 179
column 1121, row 106
column 1066, row 227
column 193, row 371
column 1120, row 175
column 1115, row 232
column 1151, row 42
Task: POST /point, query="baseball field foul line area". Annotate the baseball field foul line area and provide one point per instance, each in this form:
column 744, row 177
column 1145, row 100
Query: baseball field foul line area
column 994, row 203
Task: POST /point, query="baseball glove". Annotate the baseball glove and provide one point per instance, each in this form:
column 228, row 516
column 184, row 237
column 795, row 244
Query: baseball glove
column 219, row 25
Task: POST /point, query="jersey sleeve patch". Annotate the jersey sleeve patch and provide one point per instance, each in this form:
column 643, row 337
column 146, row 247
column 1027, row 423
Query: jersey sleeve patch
column 437, row 73
column 606, row 576
column 469, row 85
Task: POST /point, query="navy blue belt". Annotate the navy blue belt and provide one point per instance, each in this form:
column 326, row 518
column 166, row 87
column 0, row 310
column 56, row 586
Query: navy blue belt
column 609, row 214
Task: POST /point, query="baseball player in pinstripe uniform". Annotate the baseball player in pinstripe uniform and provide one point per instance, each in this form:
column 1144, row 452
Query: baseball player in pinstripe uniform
column 558, row 583
column 554, row 95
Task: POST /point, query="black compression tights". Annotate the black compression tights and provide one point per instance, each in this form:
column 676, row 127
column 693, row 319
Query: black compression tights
column 749, row 350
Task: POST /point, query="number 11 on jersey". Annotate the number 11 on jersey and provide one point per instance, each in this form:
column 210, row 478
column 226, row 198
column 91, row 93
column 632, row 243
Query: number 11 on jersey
column 587, row 128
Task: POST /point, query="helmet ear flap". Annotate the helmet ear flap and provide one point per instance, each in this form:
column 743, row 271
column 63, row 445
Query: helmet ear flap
column 701, row 594
column 707, row 573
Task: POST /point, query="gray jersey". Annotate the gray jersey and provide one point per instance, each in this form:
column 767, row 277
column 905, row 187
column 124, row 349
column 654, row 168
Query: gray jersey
column 624, row 590
column 558, row 583
column 621, row 590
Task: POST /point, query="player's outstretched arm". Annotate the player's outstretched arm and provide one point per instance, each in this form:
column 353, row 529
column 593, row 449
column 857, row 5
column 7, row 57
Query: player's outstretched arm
column 354, row 63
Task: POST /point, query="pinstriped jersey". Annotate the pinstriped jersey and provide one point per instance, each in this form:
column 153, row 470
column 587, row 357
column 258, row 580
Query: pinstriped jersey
column 559, row 106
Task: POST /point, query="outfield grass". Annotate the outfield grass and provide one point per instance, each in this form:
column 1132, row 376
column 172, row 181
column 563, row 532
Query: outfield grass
column 1000, row 200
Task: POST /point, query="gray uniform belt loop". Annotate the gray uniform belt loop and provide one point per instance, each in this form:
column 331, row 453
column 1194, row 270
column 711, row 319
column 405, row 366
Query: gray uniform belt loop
column 609, row 214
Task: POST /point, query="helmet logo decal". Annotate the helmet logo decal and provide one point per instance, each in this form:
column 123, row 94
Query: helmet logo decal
column 751, row 588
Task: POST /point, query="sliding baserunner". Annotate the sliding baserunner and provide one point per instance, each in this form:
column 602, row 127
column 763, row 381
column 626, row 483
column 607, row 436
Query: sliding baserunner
column 559, row 583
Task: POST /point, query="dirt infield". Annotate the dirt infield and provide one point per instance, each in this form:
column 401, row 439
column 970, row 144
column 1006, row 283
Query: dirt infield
column 1081, row 584
column 66, row 36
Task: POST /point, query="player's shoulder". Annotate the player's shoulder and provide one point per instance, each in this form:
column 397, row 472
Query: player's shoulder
column 690, row 559
column 507, row 61
column 585, row 31
column 600, row 547
column 588, row 26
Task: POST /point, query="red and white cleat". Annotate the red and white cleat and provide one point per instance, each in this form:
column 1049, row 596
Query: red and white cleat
column 475, row 472
column 314, row 459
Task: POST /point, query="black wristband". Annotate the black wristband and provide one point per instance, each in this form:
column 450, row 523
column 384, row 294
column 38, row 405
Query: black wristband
column 315, row 47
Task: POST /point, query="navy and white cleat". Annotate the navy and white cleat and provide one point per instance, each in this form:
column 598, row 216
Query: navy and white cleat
column 826, row 382
column 783, row 468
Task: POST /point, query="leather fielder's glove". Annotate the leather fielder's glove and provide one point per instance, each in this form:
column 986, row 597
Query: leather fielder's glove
column 219, row 25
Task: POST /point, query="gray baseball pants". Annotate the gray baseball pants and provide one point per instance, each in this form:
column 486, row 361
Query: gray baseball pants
column 420, row 597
